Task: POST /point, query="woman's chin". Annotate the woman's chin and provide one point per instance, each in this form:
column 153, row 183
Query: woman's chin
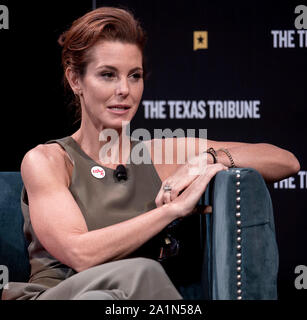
column 116, row 125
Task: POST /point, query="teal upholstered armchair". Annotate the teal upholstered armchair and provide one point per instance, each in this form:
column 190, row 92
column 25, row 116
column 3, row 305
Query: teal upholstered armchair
column 239, row 250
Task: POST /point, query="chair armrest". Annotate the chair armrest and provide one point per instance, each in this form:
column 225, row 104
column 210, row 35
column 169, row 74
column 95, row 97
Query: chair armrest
column 241, row 260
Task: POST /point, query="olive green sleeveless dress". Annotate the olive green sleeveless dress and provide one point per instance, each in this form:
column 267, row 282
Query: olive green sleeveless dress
column 104, row 201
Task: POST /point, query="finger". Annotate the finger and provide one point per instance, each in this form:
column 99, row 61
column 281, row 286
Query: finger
column 166, row 197
column 213, row 169
column 191, row 195
column 203, row 180
column 160, row 196
column 173, row 194
column 199, row 185
column 182, row 182
column 159, row 199
column 180, row 185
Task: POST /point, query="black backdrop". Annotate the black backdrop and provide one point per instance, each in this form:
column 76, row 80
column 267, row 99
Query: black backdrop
column 244, row 62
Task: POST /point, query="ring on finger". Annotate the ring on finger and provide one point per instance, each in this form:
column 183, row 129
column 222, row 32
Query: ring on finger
column 167, row 187
column 167, row 197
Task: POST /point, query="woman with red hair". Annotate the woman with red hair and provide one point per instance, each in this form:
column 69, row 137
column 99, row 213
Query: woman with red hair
column 91, row 231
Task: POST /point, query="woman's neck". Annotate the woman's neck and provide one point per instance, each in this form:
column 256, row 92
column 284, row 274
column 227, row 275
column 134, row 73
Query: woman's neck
column 107, row 147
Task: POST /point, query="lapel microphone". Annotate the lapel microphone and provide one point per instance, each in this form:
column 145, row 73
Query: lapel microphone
column 120, row 173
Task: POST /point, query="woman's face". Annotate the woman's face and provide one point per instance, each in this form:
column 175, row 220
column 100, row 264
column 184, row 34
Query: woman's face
column 112, row 86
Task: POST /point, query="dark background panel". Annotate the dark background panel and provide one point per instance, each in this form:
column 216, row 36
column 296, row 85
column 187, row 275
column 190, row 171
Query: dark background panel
column 239, row 64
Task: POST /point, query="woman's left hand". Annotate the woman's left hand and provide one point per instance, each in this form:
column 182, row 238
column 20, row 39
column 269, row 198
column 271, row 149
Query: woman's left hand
column 181, row 179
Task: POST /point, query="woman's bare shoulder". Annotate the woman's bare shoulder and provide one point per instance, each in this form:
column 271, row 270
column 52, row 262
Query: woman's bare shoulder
column 46, row 162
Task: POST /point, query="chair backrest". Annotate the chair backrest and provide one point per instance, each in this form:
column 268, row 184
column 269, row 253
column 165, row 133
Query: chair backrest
column 13, row 246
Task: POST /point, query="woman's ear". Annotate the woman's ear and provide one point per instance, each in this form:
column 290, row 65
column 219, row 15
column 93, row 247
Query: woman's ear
column 74, row 81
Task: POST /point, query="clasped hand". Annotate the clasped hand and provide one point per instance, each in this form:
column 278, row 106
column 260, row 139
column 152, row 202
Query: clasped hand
column 187, row 185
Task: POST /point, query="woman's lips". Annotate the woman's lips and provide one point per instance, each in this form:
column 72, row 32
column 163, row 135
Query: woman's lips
column 119, row 109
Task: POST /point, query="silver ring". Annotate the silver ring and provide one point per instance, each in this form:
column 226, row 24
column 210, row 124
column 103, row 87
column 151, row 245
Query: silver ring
column 167, row 188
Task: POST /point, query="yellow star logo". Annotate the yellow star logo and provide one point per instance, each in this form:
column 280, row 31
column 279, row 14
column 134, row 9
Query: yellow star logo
column 200, row 40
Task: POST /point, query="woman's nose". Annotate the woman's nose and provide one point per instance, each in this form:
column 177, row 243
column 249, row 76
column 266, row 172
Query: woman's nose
column 122, row 88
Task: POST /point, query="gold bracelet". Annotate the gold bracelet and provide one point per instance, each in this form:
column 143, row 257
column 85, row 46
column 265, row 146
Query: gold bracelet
column 232, row 163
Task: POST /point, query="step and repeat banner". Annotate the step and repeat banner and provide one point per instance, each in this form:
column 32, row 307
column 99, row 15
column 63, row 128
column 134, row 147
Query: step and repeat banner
column 237, row 69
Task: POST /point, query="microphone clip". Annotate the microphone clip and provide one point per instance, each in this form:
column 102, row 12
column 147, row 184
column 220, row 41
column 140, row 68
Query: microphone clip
column 120, row 173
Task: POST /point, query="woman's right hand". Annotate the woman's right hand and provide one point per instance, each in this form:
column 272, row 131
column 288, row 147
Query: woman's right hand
column 184, row 204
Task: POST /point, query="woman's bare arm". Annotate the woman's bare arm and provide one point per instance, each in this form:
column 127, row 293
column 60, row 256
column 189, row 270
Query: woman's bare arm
column 272, row 162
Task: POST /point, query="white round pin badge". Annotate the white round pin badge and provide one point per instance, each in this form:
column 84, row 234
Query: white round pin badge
column 98, row 172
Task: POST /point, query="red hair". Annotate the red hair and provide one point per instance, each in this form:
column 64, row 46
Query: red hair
column 105, row 23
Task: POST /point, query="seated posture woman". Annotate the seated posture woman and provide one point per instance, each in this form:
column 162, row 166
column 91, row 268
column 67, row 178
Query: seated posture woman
column 84, row 225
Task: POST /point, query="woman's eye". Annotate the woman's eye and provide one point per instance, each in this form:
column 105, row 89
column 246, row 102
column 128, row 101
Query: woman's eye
column 137, row 76
column 108, row 75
